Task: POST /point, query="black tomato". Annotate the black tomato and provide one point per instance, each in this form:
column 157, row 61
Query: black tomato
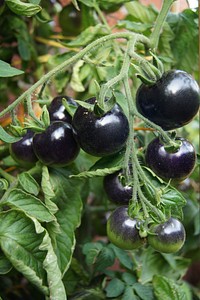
column 70, row 20
column 22, row 151
column 57, row 111
column 167, row 237
column 56, row 146
column 122, row 230
column 171, row 165
column 100, row 135
column 171, row 102
column 117, row 192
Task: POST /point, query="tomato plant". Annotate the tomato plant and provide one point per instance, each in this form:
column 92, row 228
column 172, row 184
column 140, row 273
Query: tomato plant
column 99, row 133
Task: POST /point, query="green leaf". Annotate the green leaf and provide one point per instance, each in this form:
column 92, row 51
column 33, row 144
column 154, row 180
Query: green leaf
column 5, row 265
column 7, row 138
column 3, row 184
column 7, row 71
column 75, row 82
column 129, row 278
column 96, row 173
column 133, row 26
column 151, row 262
column 67, row 198
column 105, row 258
column 143, row 291
column 47, row 189
column 185, row 43
column 141, row 12
column 45, row 116
column 123, row 257
column 28, row 183
column 88, row 35
column 75, row 4
column 166, row 288
column 31, row 205
column 164, row 194
column 22, row 8
column 91, row 251
column 90, row 3
column 54, row 276
column 20, row 243
column 114, row 288
column 110, row 161
column 129, row 294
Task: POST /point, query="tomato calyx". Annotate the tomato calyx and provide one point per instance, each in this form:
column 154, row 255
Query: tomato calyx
column 149, row 72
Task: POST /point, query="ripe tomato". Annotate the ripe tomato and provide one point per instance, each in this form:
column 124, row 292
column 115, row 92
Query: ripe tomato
column 171, row 165
column 171, row 102
column 100, row 135
column 56, row 146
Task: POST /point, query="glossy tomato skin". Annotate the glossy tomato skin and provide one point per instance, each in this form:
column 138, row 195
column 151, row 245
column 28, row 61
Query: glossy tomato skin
column 167, row 237
column 116, row 191
column 56, row 146
column 22, row 151
column 171, row 165
column 171, row 102
column 122, row 230
column 100, row 135
column 57, row 111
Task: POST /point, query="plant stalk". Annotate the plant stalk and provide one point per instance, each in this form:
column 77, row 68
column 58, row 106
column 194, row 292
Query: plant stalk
column 72, row 60
column 154, row 38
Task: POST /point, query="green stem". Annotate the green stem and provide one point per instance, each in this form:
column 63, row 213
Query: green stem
column 130, row 143
column 164, row 134
column 103, row 19
column 154, row 38
column 31, row 111
column 76, row 57
column 137, row 169
column 7, row 176
column 123, row 72
column 151, row 206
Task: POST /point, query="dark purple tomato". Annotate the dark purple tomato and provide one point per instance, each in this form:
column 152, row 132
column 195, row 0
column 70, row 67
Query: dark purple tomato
column 57, row 111
column 171, row 165
column 171, row 102
column 117, row 192
column 122, row 230
column 100, row 135
column 56, row 146
column 22, row 151
column 70, row 20
column 167, row 237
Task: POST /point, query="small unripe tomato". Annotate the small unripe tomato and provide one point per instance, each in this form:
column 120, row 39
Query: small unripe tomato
column 122, row 230
column 167, row 237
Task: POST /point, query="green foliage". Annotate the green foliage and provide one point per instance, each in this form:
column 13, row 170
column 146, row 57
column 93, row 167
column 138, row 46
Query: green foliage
column 53, row 220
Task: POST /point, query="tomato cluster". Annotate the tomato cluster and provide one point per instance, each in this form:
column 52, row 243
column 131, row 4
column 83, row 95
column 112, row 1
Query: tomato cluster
column 59, row 144
column 171, row 102
column 56, row 146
